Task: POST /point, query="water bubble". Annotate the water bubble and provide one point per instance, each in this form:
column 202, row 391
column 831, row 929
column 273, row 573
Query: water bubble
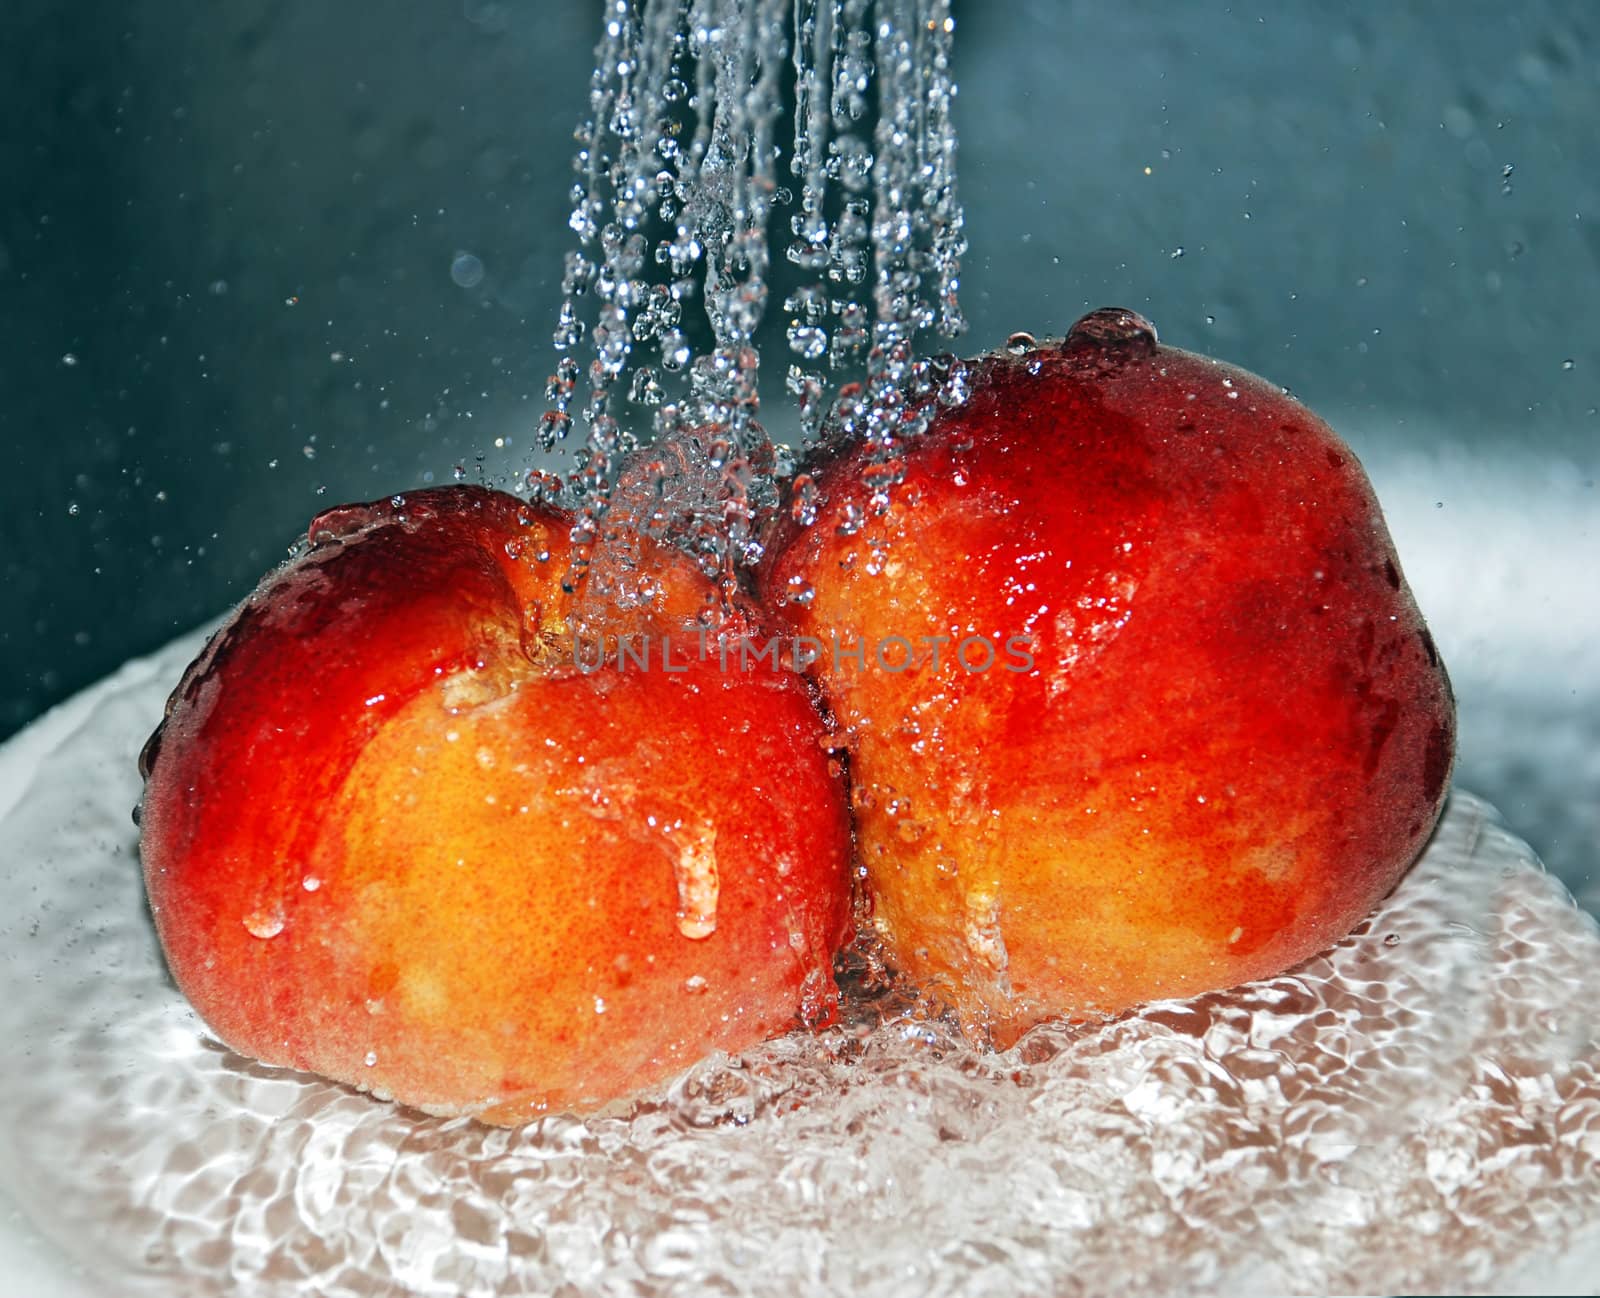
column 466, row 270
column 1020, row 344
column 370, row 1059
column 266, row 922
column 311, row 883
column 695, row 984
column 1113, row 327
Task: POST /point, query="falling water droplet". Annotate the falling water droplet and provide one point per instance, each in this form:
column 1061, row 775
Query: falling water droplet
column 803, row 501
column 543, row 488
column 672, row 210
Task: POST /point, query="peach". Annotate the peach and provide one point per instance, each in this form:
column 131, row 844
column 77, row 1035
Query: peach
column 432, row 819
column 1138, row 701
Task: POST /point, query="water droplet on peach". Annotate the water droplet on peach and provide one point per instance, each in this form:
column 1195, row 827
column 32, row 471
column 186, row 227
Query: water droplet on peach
column 695, row 872
column 910, row 831
column 981, row 931
column 1113, row 326
column 264, row 923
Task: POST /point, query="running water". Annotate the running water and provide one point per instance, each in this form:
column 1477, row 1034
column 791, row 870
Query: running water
column 678, row 200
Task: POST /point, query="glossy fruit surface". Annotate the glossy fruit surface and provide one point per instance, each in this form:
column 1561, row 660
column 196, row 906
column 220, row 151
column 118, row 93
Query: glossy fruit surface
column 415, row 822
column 1138, row 700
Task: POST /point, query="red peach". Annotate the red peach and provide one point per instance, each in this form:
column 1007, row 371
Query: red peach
column 1185, row 725
column 396, row 832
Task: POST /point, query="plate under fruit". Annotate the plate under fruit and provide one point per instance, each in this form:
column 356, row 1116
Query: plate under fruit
column 1417, row 1110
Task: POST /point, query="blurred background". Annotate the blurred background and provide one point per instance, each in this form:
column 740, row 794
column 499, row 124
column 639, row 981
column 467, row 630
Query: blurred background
column 258, row 257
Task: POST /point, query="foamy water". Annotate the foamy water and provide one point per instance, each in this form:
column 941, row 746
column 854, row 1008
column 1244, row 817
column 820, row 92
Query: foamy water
column 1418, row 1110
